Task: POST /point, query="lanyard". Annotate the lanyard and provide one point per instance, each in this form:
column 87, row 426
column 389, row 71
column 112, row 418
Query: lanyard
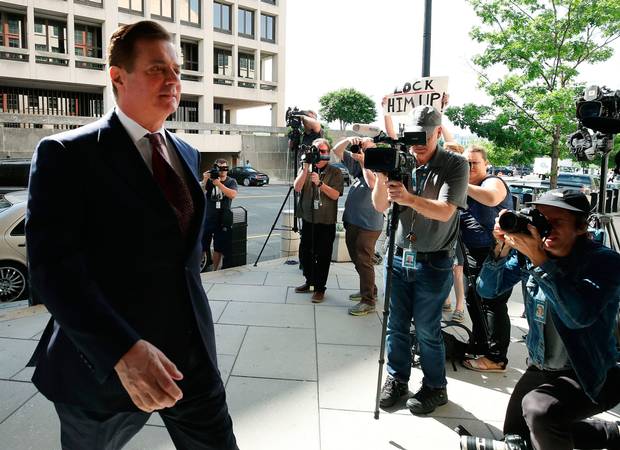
column 418, row 188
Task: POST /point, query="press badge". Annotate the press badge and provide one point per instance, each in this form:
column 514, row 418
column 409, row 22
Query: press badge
column 409, row 257
column 540, row 313
column 218, row 205
column 316, row 204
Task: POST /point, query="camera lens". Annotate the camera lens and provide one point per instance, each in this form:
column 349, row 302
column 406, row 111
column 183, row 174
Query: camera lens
column 509, row 222
column 354, row 148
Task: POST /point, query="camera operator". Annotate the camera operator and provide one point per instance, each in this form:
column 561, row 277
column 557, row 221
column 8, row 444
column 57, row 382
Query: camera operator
column 220, row 190
column 422, row 270
column 571, row 303
column 320, row 185
column 487, row 196
column 363, row 223
column 312, row 127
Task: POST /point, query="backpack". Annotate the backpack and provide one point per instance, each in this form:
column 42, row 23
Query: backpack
column 454, row 346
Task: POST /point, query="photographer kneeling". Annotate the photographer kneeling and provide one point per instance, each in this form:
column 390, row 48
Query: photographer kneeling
column 220, row 190
column 571, row 303
column 320, row 185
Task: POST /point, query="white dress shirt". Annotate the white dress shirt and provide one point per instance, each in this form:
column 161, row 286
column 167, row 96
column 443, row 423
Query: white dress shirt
column 138, row 133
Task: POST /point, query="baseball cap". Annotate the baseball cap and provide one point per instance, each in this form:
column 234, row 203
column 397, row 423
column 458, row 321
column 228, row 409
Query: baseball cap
column 425, row 118
column 565, row 198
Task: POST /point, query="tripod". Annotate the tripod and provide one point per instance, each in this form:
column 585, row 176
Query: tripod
column 600, row 220
column 294, row 228
column 392, row 226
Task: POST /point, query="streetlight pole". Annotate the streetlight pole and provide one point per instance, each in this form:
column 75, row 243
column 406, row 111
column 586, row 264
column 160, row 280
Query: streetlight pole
column 426, row 39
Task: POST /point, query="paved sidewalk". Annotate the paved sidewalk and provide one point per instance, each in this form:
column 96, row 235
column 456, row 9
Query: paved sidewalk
column 298, row 375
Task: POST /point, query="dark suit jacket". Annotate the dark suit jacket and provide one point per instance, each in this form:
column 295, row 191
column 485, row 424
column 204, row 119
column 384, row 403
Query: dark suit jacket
column 107, row 258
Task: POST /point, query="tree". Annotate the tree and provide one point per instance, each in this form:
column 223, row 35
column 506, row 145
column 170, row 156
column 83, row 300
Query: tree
column 347, row 106
column 538, row 47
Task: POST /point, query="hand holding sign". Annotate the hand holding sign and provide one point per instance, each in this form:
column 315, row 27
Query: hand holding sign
column 425, row 91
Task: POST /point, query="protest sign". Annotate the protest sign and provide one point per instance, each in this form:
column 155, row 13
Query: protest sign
column 423, row 91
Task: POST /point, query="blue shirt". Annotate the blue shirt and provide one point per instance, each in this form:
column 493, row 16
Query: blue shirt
column 358, row 209
column 583, row 293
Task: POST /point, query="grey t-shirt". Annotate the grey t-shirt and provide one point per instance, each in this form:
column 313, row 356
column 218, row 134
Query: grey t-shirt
column 445, row 178
column 556, row 356
column 358, row 209
column 327, row 213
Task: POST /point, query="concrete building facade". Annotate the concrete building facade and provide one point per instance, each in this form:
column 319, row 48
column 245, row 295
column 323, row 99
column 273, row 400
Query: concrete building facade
column 53, row 60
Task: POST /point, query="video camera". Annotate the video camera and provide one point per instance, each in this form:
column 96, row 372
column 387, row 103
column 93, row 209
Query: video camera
column 517, row 222
column 311, row 154
column 293, row 120
column 394, row 160
column 599, row 110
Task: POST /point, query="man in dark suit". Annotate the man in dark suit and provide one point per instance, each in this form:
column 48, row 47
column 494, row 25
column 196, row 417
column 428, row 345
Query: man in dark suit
column 113, row 230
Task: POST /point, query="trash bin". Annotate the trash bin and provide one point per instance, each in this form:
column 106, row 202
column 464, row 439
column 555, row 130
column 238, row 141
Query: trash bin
column 237, row 254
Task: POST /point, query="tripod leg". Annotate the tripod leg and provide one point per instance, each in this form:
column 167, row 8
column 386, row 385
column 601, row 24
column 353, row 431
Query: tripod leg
column 613, row 235
column 290, row 188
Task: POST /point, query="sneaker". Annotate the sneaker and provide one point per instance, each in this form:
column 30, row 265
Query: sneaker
column 355, row 297
column 427, row 399
column 458, row 316
column 303, row 288
column 392, row 391
column 447, row 307
column 361, row 309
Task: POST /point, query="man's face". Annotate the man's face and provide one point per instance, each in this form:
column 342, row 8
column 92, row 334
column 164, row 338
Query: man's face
column 151, row 91
column 324, row 150
column 424, row 152
column 564, row 230
column 223, row 170
column 477, row 166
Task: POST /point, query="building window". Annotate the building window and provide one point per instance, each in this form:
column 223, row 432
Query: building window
column 190, row 11
column 267, row 66
column 50, row 36
column 90, row 2
column 133, row 6
column 222, row 62
column 162, row 8
column 267, row 28
column 49, row 102
column 271, row 2
column 87, row 40
column 246, row 66
column 246, row 23
column 190, row 55
column 12, row 30
column 221, row 17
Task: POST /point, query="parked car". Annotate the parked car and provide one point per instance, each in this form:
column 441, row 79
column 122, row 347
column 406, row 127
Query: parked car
column 14, row 174
column 248, row 176
column 13, row 267
column 500, row 170
column 587, row 183
column 345, row 172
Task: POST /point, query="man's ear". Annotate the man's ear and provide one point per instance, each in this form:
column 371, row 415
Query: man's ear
column 116, row 76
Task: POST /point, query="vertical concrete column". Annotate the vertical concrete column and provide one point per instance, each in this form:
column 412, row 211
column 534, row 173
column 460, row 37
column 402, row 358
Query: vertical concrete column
column 70, row 40
column 30, row 35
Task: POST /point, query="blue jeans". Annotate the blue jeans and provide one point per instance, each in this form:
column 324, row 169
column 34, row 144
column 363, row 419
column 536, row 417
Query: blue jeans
column 418, row 294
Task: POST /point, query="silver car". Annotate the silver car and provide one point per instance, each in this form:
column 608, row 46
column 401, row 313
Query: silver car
column 13, row 266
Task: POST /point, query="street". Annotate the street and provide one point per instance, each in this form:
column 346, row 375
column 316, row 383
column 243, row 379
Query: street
column 262, row 205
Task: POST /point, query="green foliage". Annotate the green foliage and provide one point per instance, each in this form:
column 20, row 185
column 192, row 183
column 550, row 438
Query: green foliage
column 538, row 47
column 347, row 106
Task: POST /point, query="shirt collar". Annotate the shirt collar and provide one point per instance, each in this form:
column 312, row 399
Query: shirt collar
column 134, row 129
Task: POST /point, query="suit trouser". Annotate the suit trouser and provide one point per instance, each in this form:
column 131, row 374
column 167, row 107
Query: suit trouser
column 317, row 243
column 551, row 408
column 199, row 421
column 361, row 246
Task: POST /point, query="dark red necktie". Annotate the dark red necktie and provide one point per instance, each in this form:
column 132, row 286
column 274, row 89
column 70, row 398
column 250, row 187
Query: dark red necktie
column 173, row 186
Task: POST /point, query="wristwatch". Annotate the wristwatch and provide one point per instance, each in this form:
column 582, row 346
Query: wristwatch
column 320, row 184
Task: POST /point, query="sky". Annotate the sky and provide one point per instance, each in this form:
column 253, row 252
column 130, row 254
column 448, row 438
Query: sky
column 377, row 46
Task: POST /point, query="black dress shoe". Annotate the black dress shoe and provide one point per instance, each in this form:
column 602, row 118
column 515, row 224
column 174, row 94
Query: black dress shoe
column 303, row 288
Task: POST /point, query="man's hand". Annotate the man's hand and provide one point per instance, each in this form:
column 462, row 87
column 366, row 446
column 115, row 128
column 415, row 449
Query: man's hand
column 398, row 193
column 149, row 377
column 217, row 182
column 315, row 178
column 531, row 245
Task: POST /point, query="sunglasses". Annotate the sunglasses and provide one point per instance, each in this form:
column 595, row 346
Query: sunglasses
column 223, row 169
column 472, row 164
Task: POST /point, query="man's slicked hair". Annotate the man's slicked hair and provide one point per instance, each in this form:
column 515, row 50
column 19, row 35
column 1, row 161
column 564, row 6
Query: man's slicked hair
column 122, row 48
column 477, row 149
